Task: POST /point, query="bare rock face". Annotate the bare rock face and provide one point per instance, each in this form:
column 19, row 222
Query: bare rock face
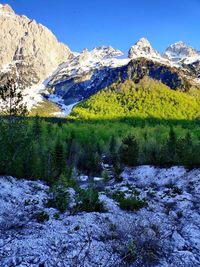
column 143, row 49
column 24, row 40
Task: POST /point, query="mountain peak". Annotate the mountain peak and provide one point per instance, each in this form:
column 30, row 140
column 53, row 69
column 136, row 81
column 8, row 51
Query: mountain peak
column 106, row 52
column 143, row 48
column 180, row 51
column 6, row 8
column 143, row 41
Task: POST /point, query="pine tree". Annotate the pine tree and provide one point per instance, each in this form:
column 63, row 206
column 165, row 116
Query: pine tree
column 12, row 103
column 36, row 128
column 129, row 151
column 171, row 147
column 185, row 150
column 59, row 159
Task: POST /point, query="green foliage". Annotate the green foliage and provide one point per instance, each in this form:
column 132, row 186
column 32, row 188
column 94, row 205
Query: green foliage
column 46, row 148
column 56, row 216
column 88, row 200
column 129, row 151
column 147, row 99
column 59, row 197
column 59, row 158
column 12, row 99
column 42, row 217
column 129, row 203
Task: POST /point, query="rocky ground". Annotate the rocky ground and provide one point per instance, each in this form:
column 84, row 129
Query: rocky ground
column 165, row 232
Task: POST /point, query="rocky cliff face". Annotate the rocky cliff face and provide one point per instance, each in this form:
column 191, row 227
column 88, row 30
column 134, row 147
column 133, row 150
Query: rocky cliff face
column 76, row 86
column 88, row 72
column 24, row 40
column 143, row 49
column 180, row 52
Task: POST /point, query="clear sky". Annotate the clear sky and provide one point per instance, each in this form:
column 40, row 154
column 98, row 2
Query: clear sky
column 120, row 23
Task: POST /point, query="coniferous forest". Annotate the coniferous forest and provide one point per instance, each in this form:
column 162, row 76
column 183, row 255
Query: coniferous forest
column 123, row 125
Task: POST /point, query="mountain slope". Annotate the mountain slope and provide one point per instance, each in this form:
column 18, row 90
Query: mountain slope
column 181, row 53
column 25, row 40
column 75, row 88
column 30, row 53
column 148, row 99
column 87, row 73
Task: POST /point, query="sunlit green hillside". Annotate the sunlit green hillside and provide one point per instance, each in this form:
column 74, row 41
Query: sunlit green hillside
column 147, row 99
column 44, row 109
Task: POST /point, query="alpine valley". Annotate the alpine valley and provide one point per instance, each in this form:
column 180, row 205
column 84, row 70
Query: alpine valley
column 99, row 151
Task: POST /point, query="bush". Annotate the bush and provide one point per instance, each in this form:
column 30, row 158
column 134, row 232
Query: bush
column 88, row 200
column 130, row 204
column 59, row 199
column 42, row 217
column 56, row 216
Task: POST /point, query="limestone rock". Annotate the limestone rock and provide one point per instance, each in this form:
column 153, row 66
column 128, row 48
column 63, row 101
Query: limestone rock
column 25, row 40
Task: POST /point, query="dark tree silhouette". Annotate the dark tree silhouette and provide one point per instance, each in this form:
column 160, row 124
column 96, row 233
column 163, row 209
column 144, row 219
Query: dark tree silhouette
column 11, row 102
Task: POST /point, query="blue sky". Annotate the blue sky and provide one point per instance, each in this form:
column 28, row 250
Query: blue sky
column 120, row 23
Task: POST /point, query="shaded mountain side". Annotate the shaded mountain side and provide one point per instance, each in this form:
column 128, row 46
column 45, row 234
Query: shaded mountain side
column 194, row 68
column 82, row 87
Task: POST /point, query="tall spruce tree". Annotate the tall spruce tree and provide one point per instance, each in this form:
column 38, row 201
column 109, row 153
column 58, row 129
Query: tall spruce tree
column 59, row 159
column 129, row 151
column 12, row 102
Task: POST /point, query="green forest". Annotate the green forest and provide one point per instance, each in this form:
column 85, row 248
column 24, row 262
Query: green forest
column 123, row 125
column 148, row 99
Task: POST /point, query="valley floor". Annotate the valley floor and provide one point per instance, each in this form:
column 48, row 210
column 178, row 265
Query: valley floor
column 165, row 233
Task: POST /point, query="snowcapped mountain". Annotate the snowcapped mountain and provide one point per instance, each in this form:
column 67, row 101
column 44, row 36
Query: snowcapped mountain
column 48, row 68
column 143, row 48
column 181, row 53
column 90, row 71
column 28, row 50
column 87, row 62
column 85, row 73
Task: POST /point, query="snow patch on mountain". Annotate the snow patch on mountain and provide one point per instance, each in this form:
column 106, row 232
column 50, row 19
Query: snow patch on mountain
column 181, row 53
column 59, row 101
column 144, row 49
column 88, row 61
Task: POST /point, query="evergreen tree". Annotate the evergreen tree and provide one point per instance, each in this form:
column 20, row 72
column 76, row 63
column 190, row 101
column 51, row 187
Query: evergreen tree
column 171, row 147
column 12, row 103
column 129, row 151
column 36, row 128
column 185, row 150
column 59, row 159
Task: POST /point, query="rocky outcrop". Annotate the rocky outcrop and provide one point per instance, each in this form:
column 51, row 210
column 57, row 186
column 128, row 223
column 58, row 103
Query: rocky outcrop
column 165, row 232
column 90, row 71
column 24, row 40
column 180, row 52
column 79, row 87
column 143, row 48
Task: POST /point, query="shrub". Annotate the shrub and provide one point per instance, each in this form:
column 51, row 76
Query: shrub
column 56, row 216
column 130, row 203
column 88, row 200
column 59, row 199
column 42, row 217
column 105, row 176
